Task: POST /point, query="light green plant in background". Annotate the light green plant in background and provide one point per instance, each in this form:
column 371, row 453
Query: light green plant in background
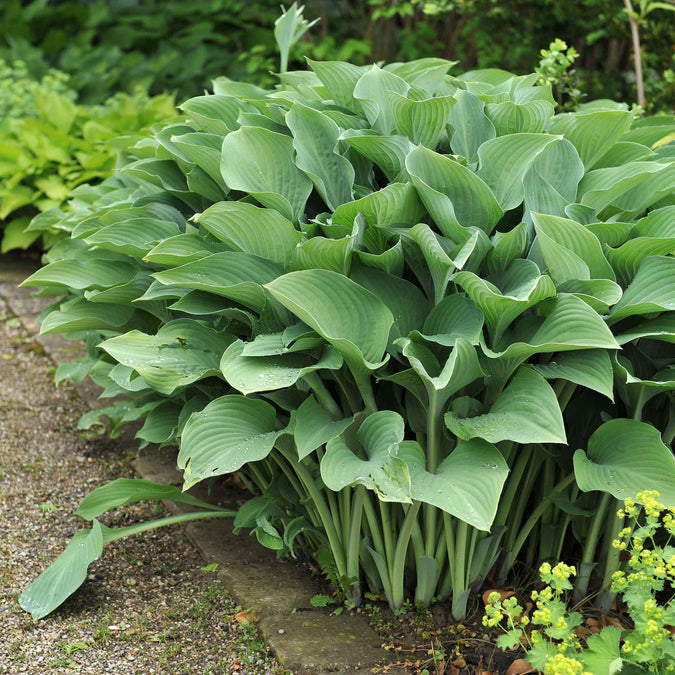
column 49, row 144
column 424, row 317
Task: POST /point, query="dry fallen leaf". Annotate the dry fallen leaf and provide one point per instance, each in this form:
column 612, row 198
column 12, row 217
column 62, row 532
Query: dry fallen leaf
column 245, row 617
column 503, row 594
column 520, row 667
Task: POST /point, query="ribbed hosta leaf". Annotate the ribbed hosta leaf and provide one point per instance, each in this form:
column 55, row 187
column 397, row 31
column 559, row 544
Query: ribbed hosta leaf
column 130, row 491
column 625, row 457
column 260, row 162
column 508, row 295
column 592, row 133
column 234, row 275
column 515, row 118
column 570, row 250
column 231, row 431
column 97, row 270
column 652, row 289
column 315, row 142
column 328, row 254
column 79, row 314
column 601, row 187
column 423, row 122
column 442, row 380
column 347, row 315
column 372, row 91
column 182, row 352
column 214, row 114
column 134, row 237
column 182, row 249
column 405, row 301
column 660, row 328
column 382, row 471
column 527, row 411
column 455, row 317
column 161, row 424
column 471, row 127
column 454, row 196
column 339, row 78
column 396, row 204
column 65, row 575
column 571, row 324
column 550, row 183
column 250, row 374
column 204, row 150
column 591, row 368
column 388, row 152
column 654, row 235
column 467, row 484
column 315, row 426
column 245, row 227
column 504, row 162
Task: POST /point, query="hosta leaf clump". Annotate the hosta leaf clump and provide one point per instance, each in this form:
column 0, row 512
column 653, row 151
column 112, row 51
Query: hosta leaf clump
column 427, row 318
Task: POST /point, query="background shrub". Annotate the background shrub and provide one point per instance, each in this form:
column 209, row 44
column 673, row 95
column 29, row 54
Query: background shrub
column 171, row 45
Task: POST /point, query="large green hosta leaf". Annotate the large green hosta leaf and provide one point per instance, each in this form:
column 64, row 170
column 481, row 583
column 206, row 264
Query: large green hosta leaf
column 570, row 250
column 373, row 92
column 508, row 295
column 249, row 374
column 625, row 457
column 571, row 324
column 442, row 380
column 652, row 289
column 591, row 368
column 235, row 275
column 315, row 142
column 396, row 204
column 382, row 471
column 95, row 269
column 423, row 122
column 260, row 162
column 182, row 352
column 230, row 432
column 68, row 572
column 527, row 411
column 388, row 152
column 454, row 195
column 79, row 314
column 471, row 127
column 245, row 227
column 315, row 426
column 654, row 235
column 351, row 318
column 467, row 484
column 504, row 162
column 592, row 133
column 550, row 184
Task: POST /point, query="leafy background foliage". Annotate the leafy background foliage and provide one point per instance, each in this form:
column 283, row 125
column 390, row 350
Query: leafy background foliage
column 49, row 144
column 123, row 44
column 427, row 319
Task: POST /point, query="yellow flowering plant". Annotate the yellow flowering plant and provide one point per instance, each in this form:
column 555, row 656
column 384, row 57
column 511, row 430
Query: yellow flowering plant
column 646, row 587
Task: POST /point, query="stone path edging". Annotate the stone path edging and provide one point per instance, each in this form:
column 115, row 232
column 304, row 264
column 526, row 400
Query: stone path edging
column 305, row 639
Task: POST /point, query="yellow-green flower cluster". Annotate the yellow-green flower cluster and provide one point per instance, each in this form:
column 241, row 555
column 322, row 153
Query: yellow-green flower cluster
column 564, row 665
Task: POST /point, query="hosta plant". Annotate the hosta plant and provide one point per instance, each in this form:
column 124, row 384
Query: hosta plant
column 427, row 320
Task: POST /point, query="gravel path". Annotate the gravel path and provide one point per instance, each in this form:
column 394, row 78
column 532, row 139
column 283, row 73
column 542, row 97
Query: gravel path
column 148, row 606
